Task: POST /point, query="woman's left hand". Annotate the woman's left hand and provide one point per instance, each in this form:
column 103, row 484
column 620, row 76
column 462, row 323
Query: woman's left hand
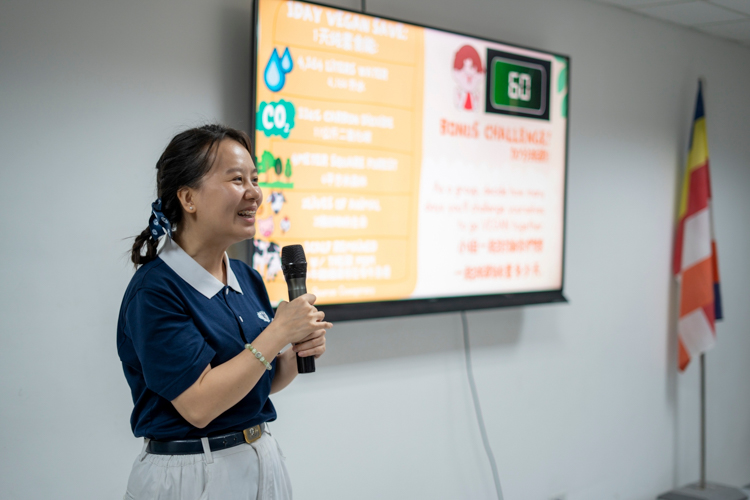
column 312, row 345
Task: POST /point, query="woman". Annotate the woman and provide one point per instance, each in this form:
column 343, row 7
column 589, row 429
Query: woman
column 195, row 336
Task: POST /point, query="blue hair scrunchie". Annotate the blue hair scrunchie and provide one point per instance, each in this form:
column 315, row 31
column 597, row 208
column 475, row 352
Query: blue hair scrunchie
column 158, row 223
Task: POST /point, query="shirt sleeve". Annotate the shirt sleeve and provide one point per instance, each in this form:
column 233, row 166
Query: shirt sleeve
column 169, row 346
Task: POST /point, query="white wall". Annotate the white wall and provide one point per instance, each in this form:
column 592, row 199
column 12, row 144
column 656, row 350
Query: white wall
column 579, row 399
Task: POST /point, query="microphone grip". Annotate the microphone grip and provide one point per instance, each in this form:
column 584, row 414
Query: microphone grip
column 296, row 288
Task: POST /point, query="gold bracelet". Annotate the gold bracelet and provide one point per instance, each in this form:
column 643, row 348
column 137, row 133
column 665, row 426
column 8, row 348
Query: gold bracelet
column 258, row 356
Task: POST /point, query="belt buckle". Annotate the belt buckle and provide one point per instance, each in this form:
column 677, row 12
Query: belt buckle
column 252, row 434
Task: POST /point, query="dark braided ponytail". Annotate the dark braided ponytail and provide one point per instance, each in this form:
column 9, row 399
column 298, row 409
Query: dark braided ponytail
column 186, row 160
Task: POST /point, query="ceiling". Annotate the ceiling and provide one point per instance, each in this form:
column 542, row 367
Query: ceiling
column 728, row 19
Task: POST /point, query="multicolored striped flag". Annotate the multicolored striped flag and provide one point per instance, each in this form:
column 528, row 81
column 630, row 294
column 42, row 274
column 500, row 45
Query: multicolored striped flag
column 695, row 264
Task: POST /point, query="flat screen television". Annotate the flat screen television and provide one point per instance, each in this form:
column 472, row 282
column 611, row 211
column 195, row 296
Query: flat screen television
column 422, row 170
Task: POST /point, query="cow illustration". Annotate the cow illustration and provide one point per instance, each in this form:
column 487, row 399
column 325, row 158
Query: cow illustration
column 267, row 259
column 277, row 201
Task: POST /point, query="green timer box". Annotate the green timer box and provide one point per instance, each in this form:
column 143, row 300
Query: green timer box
column 517, row 85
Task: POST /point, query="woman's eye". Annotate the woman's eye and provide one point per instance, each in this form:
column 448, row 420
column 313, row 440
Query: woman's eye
column 238, row 178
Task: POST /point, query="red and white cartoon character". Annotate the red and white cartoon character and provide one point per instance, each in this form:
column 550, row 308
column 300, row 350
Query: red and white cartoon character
column 468, row 73
column 286, row 224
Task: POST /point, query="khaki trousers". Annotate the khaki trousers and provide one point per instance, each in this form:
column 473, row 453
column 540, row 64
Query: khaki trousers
column 245, row 472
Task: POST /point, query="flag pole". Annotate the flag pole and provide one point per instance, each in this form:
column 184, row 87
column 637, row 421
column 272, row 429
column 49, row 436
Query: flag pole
column 702, row 484
column 703, row 490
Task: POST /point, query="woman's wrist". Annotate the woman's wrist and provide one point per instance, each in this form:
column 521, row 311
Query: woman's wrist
column 272, row 339
column 286, row 370
column 259, row 356
column 291, row 357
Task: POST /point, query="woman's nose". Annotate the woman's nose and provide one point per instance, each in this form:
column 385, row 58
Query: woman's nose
column 253, row 192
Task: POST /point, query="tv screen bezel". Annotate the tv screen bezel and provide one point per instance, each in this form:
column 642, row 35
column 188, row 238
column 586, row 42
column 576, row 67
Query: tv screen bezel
column 406, row 307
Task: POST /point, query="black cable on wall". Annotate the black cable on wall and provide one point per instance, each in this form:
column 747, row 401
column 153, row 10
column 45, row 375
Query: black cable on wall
column 477, row 408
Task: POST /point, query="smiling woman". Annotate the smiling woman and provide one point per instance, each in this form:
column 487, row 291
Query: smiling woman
column 197, row 336
column 228, row 195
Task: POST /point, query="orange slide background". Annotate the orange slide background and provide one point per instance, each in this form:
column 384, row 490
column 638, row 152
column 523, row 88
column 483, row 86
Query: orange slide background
column 378, row 204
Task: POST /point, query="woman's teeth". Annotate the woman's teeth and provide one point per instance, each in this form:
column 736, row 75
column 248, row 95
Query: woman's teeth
column 246, row 213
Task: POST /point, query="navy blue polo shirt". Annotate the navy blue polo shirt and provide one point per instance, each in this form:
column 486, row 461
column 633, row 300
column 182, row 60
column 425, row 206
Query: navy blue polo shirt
column 176, row 319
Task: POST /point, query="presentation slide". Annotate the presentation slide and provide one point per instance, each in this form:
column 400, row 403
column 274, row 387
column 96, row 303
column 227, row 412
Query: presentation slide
column 409, row 162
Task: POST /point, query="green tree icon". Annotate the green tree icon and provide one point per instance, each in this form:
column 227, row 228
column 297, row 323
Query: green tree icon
column 288, row 169
column 265, row 164
column 278, row 168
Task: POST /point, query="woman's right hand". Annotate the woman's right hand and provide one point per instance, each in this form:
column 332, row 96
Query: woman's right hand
column 297, row 319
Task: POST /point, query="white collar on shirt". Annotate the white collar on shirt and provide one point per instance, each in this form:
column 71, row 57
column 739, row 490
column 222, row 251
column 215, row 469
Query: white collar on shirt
column 193, row 273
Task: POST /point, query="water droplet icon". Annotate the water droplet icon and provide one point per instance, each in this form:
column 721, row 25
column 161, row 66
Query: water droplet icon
column 286, row 61
column 273, row 75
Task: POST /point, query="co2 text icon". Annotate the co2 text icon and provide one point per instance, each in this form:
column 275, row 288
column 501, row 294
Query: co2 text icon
column 275, row 118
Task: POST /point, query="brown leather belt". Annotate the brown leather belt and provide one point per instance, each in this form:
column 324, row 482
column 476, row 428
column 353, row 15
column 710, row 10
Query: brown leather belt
column 215, row 443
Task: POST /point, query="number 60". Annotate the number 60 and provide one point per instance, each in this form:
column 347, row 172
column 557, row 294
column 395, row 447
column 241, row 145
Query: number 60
column 519, row 86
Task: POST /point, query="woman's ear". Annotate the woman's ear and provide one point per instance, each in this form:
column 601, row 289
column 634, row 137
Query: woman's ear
column 185, row 195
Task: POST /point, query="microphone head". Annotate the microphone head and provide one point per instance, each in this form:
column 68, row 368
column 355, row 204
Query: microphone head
column 293, row 262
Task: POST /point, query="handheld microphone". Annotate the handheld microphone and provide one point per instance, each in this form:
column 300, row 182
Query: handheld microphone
column 294, row 265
